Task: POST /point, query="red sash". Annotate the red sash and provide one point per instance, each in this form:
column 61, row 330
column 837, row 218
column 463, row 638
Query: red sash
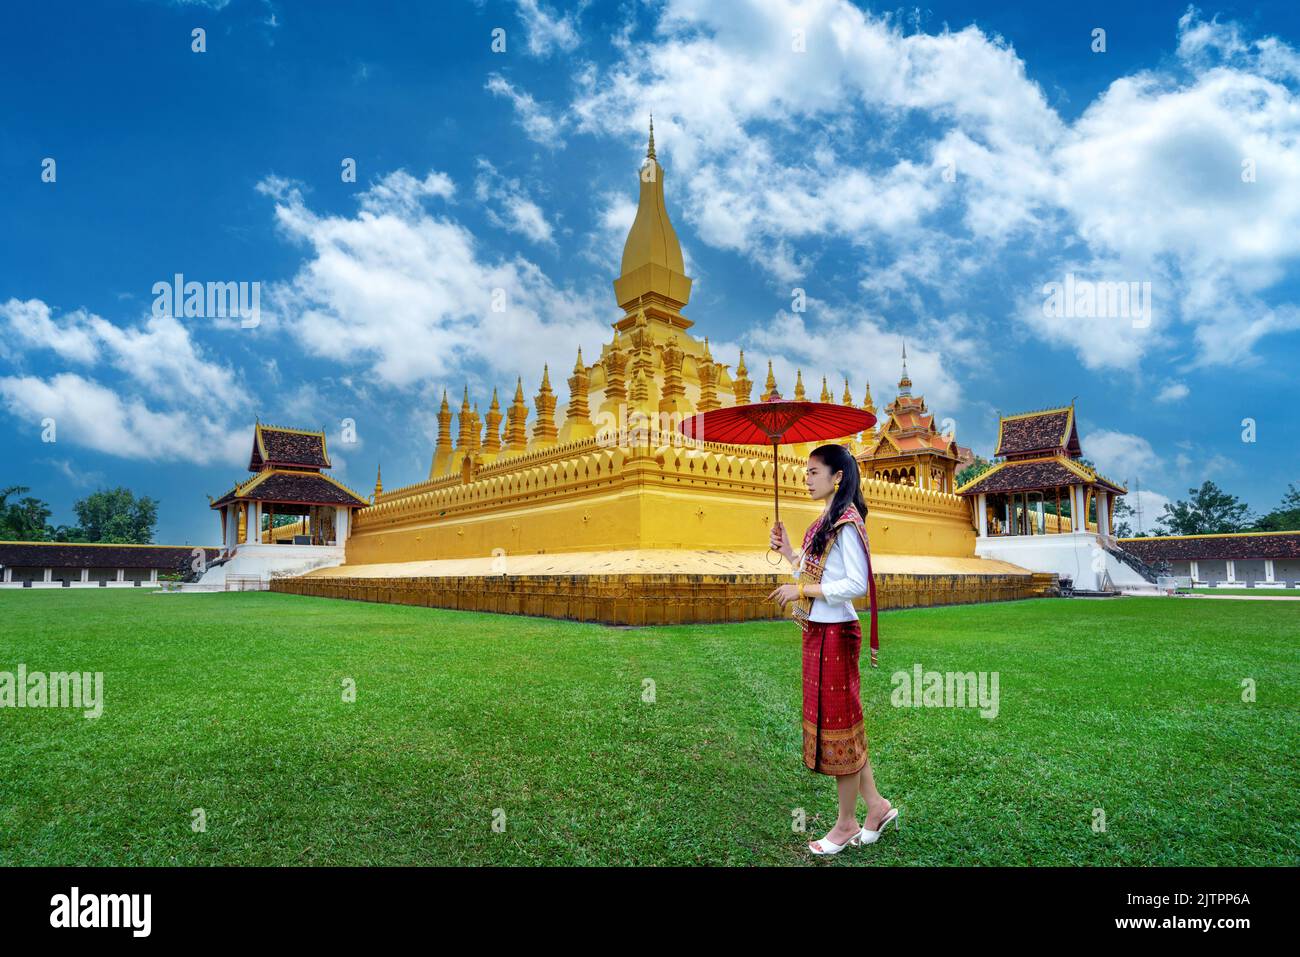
column 815, row 566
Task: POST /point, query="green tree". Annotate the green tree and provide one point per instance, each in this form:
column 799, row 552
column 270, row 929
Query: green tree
column 1123, row 512
column 1209, row 511
column 116, row 515
column 974, row 470
column 24, row 520
column 1284, row 518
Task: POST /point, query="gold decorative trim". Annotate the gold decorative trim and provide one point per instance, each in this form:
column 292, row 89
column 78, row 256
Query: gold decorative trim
column 1165, row 538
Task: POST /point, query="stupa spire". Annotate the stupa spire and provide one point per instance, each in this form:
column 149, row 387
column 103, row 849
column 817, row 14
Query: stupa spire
column 653, row 272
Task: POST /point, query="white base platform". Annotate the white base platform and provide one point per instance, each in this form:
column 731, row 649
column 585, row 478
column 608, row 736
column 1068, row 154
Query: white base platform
column 1075, row 555
column 263, row 561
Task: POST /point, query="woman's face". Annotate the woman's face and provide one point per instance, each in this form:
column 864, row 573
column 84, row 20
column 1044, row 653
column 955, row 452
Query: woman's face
column 820, row 479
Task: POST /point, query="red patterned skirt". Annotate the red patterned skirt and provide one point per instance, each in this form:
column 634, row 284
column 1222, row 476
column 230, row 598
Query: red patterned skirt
column 834, row 733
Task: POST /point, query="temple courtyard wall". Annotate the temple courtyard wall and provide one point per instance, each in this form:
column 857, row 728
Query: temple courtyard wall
column 642, row 535
column 653, row 587
column 583, row 497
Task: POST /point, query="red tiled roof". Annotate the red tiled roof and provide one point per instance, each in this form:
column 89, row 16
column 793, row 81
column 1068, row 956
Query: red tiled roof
column 1025, row 476
column 925, row 442
column 1038, row 433
column 911, row 419
column 95, row 555
column 1242, row 546
column 298, row 488
column 277, row 446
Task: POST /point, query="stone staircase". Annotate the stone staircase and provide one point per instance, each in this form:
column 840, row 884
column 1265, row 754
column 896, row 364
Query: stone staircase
column 1148, row 572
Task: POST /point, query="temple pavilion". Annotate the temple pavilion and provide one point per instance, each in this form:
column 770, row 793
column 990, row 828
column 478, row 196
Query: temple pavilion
column 1041, row 468
column 601, row 511
column 908, row 448
column 288, row 480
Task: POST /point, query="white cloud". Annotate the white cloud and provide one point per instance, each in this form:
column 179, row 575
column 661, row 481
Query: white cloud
column 842, row 343
column 537, row 123
column 777, row 151
column 408, row 295
column 1172, row 392
column 509, row 206
column 1152, row 506
column 1196, row 38
column 92, row 415
column 1120, row 455
column 159, row 354
column 616, row 212
column 30, row 326
column 547, row 30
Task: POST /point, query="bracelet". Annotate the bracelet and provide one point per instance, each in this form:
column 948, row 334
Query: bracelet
column 801, row 594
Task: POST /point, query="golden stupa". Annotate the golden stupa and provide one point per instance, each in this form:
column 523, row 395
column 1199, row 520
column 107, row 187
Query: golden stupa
column 610, row 514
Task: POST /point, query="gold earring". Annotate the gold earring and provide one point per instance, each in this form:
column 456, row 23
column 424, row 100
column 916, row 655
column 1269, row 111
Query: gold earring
column 837, row 486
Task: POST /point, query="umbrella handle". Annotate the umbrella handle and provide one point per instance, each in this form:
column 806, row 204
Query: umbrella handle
column 776, row 496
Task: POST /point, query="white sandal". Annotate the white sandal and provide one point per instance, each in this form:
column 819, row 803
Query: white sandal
column 831, row 846
column 870, row 837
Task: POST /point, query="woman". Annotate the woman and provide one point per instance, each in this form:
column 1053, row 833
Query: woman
column 834, row 567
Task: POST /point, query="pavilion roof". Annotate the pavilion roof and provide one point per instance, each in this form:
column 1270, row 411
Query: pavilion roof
column 912, row 419
column 1038, row 433
column 905, row 403
column 925, row 442
column 892, row 442
column 276, row 446
column 1026, row 475
column 1235, row 546
column 292, row 488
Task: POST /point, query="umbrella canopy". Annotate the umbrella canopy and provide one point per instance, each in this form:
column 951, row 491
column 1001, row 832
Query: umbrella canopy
column 775, row 421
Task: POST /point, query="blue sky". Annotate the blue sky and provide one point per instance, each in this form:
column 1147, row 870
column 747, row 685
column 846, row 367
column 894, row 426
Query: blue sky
column 918, row 174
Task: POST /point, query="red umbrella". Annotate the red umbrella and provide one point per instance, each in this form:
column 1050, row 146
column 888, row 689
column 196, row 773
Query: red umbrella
column 777, row 421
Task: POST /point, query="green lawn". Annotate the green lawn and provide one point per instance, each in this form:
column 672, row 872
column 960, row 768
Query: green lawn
column 232, row 703
column 1261, row 592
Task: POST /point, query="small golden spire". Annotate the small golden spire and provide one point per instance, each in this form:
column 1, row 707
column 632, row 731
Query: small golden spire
column 519, row 389
column 379, row 481
column 799, row 394
column 826, row 393
column 740, row 369
column 494, row 404
column 848, row 395
column 578, row 365
column 546, row 378
column 650, row 150
column 445, row 407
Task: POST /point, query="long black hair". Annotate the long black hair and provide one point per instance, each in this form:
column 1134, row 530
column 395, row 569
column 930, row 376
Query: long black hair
column 837, row 458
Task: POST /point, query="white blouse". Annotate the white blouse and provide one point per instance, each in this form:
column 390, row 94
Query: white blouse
column 844, row 578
